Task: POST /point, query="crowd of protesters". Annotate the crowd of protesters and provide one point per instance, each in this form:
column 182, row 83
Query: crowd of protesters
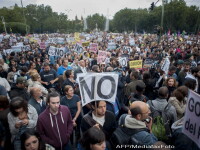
column 40, row 101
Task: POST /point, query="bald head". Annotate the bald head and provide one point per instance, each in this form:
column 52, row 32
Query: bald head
column 138, row 107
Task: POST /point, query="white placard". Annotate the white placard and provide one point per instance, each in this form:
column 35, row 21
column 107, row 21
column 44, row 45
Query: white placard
column 97, row 86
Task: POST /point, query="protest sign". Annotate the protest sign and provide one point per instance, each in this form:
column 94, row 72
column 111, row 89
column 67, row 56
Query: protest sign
column 26, row 48
column 77, row 36
column 135, row 64
column 42, row 45
column 16, row 48
column 148, row 63
column 101, row 57
column 60, row 40
column 165, row 65
column 1, row 37
column 54, row 51
column 86, row 43
column 97, row 86
column 123, row 61
column 111, row 46
column 78, row 48
column 191, row 125
column 93, row 47
column 128, row 48
column 131, row 42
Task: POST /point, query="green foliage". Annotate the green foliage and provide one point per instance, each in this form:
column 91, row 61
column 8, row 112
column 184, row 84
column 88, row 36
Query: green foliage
column 40, row 19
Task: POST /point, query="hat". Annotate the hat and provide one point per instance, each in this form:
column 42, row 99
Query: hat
column 21, row 80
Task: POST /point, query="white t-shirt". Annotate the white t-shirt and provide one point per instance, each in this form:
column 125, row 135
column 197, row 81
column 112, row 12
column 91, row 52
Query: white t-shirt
column 100, row 120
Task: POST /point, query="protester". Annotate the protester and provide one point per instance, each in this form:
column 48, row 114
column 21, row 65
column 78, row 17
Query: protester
column 93, row 139
column 55, row 124
column 21, row 117
column 31, row 140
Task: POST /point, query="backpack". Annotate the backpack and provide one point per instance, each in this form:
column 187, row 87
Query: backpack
column 161, row 123
column 124, row 136
column 136, row 97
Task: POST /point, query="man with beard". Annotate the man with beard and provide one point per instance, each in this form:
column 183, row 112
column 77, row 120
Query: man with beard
column 48, row 76
column 182, row 74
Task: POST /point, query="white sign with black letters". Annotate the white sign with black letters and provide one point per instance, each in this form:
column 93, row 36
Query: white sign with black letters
column 123, row 61
column 97, row 86
column 191, row 125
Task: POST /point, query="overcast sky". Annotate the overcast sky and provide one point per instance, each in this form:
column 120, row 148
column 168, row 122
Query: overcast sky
column 77, row 7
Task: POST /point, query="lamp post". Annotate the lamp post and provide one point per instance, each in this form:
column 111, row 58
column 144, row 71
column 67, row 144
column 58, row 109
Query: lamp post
column 4, row 24
column 24, row 17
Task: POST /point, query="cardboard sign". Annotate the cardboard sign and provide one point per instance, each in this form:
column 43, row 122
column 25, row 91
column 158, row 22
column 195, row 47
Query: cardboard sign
column 93, row 47
column 135, row 64
column 111, row 46
column 101, row 57
column 123, row 61
column 42, row 45
column 86, row 43
column 97, row 86
column 54, row 51
column 165, row 65
column 78, row 48
column 148, row 63
column 128, row 49
column 191, row 125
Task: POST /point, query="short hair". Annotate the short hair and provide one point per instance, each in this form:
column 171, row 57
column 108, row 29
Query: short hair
column 163, row 92
column 92, row 136
column 183, row 89
column 52, row 94
column 135, row 111
column 140, row 86
column 95, row 68
column 190, row 83
column 16, row 103
column 64, row 60
column 67, row 87
column 135, row 74
column 4, row 103
column 68, row 73
column 172, row 68
column 46, row 64
column 194, row 70
column 24, row 69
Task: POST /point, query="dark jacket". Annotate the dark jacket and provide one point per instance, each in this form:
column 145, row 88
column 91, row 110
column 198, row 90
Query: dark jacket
column 108, row 128
column 37, row 106
column 55, row 129
column 21, row 92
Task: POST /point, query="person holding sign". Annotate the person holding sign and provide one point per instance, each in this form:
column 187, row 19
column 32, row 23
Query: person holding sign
column 99, row 116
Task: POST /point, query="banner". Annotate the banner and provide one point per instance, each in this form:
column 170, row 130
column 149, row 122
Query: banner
column 135, row 64
column 123, row 61
column 101, row 57
column 60, row 40
column 93, row 47
column 54, row 51
column 97, row 86
column 191, row 125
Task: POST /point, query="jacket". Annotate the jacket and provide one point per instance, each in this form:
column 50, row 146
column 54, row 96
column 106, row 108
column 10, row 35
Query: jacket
column 37, row 106
column 179, row 106
column 55, row 129
column 143, row 137
column 32, row 115
column 160, row 104
column 109, row 126
column 15, row 91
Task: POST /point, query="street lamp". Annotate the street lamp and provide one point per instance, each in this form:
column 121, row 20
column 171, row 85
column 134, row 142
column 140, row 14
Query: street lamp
column 4, row 24
column 24, row 17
